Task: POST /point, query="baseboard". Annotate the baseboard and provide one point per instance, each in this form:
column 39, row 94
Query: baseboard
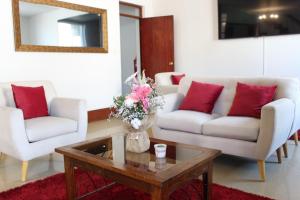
column 100, row 114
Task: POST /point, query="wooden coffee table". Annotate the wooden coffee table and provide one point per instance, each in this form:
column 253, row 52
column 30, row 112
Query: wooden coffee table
column 158, row 177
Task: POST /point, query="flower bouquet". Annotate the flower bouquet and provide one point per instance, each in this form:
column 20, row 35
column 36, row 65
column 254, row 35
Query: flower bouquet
column 136, row 110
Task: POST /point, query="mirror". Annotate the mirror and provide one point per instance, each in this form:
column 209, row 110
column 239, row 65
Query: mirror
column 54, row 26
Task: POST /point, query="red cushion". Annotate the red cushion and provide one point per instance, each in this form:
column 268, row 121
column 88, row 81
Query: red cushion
column 32, row 101
column 176, row 78
column 201, row 97
column 249, row 99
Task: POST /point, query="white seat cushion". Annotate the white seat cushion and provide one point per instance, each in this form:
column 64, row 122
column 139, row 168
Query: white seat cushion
column 183, row 120
column 240, row 128
column 46, row 127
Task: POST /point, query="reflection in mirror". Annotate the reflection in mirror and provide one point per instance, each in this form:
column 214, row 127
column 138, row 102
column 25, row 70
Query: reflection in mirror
column 81, row 30
column 54, row 26
column 47, row 24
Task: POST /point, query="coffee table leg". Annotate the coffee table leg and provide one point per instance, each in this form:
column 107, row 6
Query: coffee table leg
column 158, row 194
column 207, row 183
column 70, row 178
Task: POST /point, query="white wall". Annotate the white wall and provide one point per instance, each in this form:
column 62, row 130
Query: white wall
column 94, row 77
column 282, row 55
column 198, row 50
column 43, row 28
column 97, row 77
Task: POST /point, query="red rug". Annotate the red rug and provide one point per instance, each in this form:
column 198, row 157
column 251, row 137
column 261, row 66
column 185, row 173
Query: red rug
column 53, row 188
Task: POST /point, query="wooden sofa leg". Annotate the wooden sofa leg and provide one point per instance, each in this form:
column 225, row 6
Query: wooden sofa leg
column 296, row 138
column 262, row 169
column 24, row 170
column 278, row 152
column 1, row 155
column 285, row 150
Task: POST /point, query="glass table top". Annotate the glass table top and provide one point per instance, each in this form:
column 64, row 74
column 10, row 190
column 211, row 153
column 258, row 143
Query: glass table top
column 113, row 150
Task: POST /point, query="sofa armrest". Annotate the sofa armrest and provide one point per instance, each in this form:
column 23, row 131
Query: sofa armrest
column 74, row 109
column 168, row 89
column 172, row 102
column 13, row 137
column 275, row 126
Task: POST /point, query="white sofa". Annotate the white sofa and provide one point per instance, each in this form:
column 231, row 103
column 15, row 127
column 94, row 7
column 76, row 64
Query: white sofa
column 164, row 82
column 239, row 136
column 28, row 139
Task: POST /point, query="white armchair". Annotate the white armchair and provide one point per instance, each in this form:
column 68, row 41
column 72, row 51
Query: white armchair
column 164, row 82
column 29, row 139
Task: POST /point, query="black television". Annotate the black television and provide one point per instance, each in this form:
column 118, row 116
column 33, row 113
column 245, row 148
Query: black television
column 254, row 18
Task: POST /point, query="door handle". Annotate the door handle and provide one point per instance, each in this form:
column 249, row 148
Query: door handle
column 171, row 63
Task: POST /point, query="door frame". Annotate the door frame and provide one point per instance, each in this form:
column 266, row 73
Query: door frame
column 139, row 17
column 133, row 6
column 134, row 17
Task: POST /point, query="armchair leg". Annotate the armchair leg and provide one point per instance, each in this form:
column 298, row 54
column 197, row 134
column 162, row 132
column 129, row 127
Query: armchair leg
column 262, row 169
column 278, row 152
column 285, row 150
column 296, row 138
column 1, row 155
column 24, row 171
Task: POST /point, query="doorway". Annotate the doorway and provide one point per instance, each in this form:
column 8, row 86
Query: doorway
column 146, row 43
column 130, row 15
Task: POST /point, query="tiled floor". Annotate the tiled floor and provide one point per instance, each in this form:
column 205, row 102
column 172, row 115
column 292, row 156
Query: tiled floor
column 283, row 180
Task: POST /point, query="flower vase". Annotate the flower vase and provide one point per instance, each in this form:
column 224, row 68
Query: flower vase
column 138, row 141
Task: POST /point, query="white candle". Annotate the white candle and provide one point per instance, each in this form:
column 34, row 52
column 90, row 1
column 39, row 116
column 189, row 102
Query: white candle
column 118, row 147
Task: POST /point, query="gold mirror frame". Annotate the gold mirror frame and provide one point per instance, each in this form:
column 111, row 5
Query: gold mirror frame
column 39, row 48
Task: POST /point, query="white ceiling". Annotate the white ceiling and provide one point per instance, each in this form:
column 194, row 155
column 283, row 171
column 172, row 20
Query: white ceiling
column 30, row 9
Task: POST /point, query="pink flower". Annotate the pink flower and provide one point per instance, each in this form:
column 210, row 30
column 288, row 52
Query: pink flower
column 141, row 91
column 133, row 97
column 145, row 104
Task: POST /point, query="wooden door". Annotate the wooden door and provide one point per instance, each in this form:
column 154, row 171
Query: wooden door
column 157, row 45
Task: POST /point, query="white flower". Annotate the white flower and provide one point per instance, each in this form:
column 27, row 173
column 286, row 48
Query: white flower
column 129, row 103
column 130, row 78
column 136, row 123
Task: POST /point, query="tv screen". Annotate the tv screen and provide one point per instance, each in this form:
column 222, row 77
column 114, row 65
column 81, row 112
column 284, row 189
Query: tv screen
column 254, row 18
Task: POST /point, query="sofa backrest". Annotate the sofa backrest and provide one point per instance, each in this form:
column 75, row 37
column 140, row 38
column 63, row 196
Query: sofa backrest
column 164, row 78
column 286, row 88
column 6, row 95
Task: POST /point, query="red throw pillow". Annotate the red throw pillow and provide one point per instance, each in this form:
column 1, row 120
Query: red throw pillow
column 249, row 99
column 201, row 97
column 176, row 78
column 32, row 101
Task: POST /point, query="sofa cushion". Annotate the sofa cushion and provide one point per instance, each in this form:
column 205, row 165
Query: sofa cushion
column 183, row 120
column 176, row 78
column 249, row 99
column 201, row 97
column 286, row 88
column 46, row 127
column 31, row 100
column 240, row 128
